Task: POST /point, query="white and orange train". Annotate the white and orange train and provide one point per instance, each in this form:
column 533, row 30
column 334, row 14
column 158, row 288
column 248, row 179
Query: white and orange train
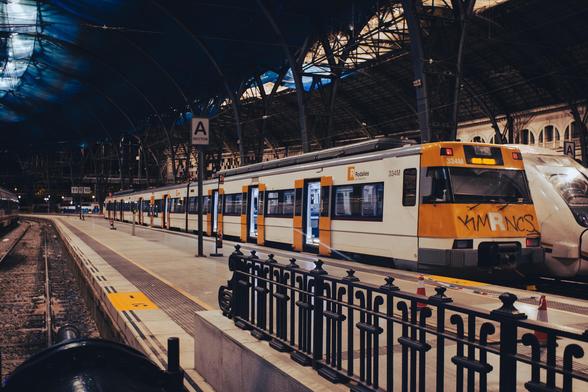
column 8, row 208
column 431, row 206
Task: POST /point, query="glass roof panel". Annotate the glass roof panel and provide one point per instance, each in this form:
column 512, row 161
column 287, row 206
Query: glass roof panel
column 19, row 20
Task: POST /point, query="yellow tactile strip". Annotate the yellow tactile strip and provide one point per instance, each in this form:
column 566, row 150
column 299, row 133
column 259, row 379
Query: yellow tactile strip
column 131, row 301
column 456, row 281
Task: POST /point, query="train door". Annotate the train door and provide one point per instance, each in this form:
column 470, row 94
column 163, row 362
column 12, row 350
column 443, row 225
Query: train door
column 214, row 212
column 140, row 210
column 311, row 213
column 252, row 213
column 122, row 207
column 151, row 210
column 164, row 203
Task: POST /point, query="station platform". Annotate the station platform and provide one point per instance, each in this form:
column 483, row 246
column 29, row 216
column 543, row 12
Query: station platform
column 155, row 283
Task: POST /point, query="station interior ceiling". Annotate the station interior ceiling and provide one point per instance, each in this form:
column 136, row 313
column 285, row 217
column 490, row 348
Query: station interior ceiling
column 88, row 88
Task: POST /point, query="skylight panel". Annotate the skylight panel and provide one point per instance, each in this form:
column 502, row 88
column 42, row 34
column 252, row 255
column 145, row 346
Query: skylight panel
column 19, row 18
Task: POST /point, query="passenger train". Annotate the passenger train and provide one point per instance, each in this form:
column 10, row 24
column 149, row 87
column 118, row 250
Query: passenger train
column 559, row 187
column 435, row 206
column 8, row 208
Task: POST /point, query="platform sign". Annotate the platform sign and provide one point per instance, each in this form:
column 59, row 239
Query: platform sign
column 200, row 131
column 570, row 149
column 77, row 190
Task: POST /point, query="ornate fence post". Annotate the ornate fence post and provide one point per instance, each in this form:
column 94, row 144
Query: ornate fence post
column 508, row 316
column 317, row 336
column 241, row 284
column 440, row 299
column 227, row 295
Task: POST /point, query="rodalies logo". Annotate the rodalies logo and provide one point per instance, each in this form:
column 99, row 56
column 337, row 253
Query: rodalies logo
column 353, row 174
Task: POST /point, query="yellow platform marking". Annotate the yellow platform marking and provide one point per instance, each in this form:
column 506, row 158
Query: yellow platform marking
column 131, row 301
column 456, row 281
column 157, row 276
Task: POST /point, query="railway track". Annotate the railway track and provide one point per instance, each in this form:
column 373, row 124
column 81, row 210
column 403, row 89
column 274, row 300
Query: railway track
column 569, row 288
column 38, row 294
column 11, row 238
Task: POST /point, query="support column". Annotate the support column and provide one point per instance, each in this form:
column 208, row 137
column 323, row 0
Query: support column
column 296, row 67
column 418, row 66
column 463, row 12
column 583, row 131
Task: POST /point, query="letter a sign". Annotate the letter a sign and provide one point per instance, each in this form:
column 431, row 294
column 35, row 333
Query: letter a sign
column 199, row 131
column 570, row 149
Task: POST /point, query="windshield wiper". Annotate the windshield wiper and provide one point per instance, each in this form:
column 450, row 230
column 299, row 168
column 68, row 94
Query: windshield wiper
column 472, row 207
column 503, row 207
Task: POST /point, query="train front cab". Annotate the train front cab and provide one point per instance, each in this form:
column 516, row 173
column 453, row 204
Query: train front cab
column 559, row 186
column 476, row 210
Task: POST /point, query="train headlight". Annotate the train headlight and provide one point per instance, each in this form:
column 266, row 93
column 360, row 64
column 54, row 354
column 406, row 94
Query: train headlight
column 533, row 242
column 463, row 244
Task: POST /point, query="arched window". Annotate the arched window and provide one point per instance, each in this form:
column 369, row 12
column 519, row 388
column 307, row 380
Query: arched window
column 478, row 139
column 526, row 137
column 575, row 131
column 549, row 136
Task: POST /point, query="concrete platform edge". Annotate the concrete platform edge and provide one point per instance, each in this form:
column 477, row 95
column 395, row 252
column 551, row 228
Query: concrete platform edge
column 232, row 360
column 131, row 334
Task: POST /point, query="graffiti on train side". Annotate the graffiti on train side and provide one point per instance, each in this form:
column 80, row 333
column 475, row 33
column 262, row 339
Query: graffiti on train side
column 495, row 221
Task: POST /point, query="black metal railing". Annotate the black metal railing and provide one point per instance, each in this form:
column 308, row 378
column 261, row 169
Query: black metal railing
column 381, row 338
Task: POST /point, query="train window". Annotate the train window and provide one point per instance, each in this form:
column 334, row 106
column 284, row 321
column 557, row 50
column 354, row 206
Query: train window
column 489, row 185
column 409, row 187
column 280, row 203
column 206, row 205
column 176, row 205
column 435, row 186
column 567, row 180
column 233, row 204
column 193, row 205
column 298, row 202
column 359, row 202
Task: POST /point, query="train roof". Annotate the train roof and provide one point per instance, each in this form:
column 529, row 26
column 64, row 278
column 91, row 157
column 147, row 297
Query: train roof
column 7, row 195
column 378, row 144
column 128, row 192
column 526, row 149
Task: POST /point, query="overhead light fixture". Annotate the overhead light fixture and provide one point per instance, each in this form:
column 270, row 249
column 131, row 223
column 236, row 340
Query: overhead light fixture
column 20, row 45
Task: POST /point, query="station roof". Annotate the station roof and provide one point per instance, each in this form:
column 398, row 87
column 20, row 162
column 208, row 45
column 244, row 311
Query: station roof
column 74, row 68
column 519, row 55
column 82, row 70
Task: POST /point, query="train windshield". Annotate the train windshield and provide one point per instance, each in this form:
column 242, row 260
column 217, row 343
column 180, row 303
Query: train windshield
column 568, row 180
column 475, row 185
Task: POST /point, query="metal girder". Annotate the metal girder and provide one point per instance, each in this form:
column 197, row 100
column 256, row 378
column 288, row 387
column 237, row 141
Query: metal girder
column 94, row 56
column 463, row 10
column 417, row 55
column 83, row 23
column 296, row 67
column 230, row 93
column 91, row 86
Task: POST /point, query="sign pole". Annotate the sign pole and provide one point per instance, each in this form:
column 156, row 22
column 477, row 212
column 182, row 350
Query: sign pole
column 200, row 199
column 200, row 138
column 80, row 198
